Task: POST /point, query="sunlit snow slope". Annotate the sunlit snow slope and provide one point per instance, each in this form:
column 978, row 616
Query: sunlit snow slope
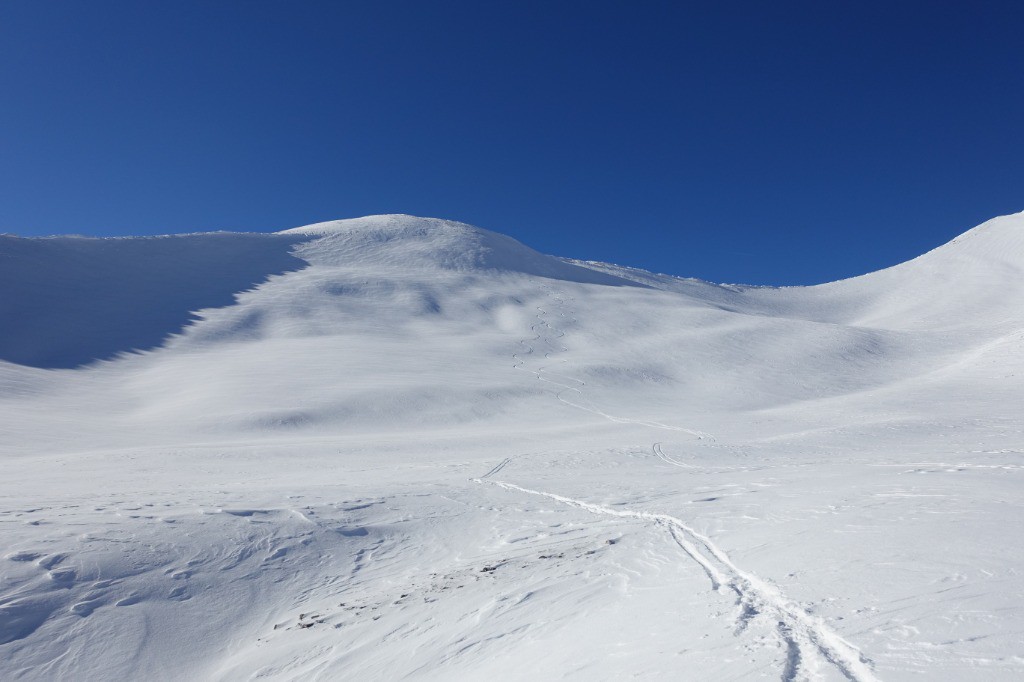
column 408, row 448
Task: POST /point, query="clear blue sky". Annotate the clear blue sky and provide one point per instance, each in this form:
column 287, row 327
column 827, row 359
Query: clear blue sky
column 762, row 142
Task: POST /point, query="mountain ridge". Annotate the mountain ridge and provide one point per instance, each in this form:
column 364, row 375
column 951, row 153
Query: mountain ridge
column 69, row 301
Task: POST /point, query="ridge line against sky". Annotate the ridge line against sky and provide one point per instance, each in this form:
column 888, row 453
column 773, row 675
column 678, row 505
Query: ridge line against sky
column 790, row 144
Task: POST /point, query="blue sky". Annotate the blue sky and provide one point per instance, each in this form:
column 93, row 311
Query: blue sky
column 770, row 143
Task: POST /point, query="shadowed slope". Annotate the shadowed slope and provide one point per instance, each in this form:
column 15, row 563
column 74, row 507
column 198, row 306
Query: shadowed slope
column 68, row 301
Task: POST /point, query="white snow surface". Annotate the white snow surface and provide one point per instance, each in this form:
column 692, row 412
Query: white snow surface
column 406, row 448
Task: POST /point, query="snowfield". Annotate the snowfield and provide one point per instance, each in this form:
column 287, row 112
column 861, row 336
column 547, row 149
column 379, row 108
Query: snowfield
column 405, row 448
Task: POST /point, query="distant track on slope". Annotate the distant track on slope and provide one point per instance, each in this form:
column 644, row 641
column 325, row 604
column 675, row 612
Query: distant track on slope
column 665, row 458
column 801, row 633
column 542, row 373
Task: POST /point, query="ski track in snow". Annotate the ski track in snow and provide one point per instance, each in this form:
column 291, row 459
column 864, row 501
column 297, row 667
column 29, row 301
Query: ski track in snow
column 801, row 634
column 669, row 460
column 542, row 373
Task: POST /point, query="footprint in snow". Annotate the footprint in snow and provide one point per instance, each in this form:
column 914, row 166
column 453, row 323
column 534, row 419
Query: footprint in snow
column 52, row 560
column 277, row 554
column 86, row 607
column 179, row 593
column 63, row 575
column 24, row 555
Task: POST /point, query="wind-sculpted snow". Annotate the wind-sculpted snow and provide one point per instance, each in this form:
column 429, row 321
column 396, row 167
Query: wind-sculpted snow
column 408, row 242
column 407, row 448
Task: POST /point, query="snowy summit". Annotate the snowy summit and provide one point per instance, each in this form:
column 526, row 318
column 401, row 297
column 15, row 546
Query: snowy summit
column 409, row 448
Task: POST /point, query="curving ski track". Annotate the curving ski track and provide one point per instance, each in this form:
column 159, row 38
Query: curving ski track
column 543, row 372
column 669, row 460
column 802, row 635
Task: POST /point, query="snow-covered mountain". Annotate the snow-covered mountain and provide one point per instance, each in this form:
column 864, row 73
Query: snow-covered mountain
column 397, row 447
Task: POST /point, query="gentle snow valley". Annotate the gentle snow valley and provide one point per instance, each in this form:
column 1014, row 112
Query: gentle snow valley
column 404, row 448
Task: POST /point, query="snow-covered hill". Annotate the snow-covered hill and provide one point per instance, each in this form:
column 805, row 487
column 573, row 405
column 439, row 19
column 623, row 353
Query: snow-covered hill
column 398, row 447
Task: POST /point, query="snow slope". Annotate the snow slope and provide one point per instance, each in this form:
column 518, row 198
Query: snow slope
column 397, row 447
